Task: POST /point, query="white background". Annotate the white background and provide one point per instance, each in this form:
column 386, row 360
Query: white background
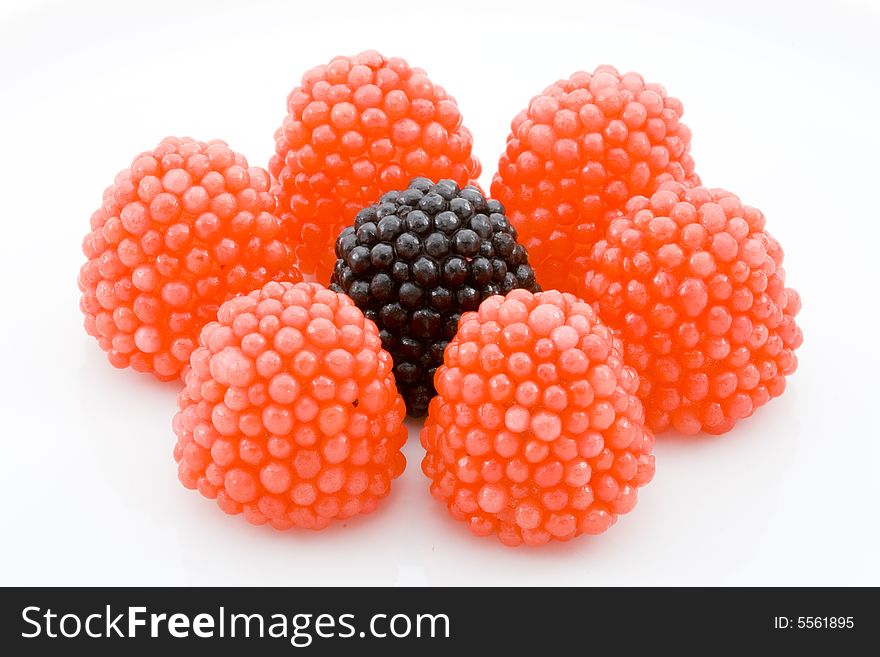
column 783, row 102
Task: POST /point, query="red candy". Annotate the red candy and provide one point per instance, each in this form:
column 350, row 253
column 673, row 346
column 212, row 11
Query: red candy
column 581, row 149
column 356, row 128
column 187, row 227
column 696, row 287
column 290, row 413
column 536, row 433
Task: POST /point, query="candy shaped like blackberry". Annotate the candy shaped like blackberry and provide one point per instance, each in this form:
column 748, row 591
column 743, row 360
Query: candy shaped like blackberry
column 581, row 149
column 536, row 433
column 290, row 414
column 357, row 127
column 186, row 227
column 418, row 259
column 696, row 286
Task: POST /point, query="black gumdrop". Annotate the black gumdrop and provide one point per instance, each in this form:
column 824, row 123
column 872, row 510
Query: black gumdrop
column 417, row 260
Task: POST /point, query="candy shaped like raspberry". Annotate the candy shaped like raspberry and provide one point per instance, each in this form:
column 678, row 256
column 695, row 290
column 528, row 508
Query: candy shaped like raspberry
column 696, row 286
column 186, row 227
column 357, row 127
column 419, row 258
column 580, row 150
column 290, row 414
column 536, row 433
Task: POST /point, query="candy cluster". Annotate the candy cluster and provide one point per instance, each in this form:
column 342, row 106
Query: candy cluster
column 664, row 303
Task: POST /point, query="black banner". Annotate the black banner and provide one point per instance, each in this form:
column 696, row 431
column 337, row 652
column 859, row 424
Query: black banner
column 432, row 621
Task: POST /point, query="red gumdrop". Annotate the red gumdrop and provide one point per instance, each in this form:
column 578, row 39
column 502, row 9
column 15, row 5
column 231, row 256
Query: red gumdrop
column 290, row 414
column 696, row 287
column 536, row 433
column 186, row 227
column 578, row 152
column 356, row 128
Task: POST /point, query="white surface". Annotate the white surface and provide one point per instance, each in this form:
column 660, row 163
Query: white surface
column 782, row 100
